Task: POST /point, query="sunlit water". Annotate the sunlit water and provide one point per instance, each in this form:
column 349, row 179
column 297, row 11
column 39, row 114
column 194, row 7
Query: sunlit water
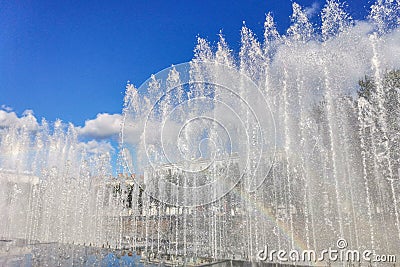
column 328, row 164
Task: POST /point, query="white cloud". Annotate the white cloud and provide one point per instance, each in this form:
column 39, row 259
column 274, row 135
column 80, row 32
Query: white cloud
column 27, row 112
column 312, row 10
column 97, row 147
column 103, row 126
column 6, row 108
column 10, row 119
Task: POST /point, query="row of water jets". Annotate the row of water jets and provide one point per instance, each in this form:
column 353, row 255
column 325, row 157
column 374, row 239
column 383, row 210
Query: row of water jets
column 334, row 174
column 53, row 189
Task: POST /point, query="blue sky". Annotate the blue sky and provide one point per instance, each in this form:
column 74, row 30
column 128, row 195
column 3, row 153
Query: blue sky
column 71, row 59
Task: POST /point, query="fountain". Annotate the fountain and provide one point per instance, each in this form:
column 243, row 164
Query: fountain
column 291, row 146
column 56, row 197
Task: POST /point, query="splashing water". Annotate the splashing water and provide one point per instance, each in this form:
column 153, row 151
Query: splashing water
column 293, row 145
column 52, row 188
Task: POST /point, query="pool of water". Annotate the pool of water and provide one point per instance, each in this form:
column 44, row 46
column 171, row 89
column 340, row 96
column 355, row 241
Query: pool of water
column 22, row 253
